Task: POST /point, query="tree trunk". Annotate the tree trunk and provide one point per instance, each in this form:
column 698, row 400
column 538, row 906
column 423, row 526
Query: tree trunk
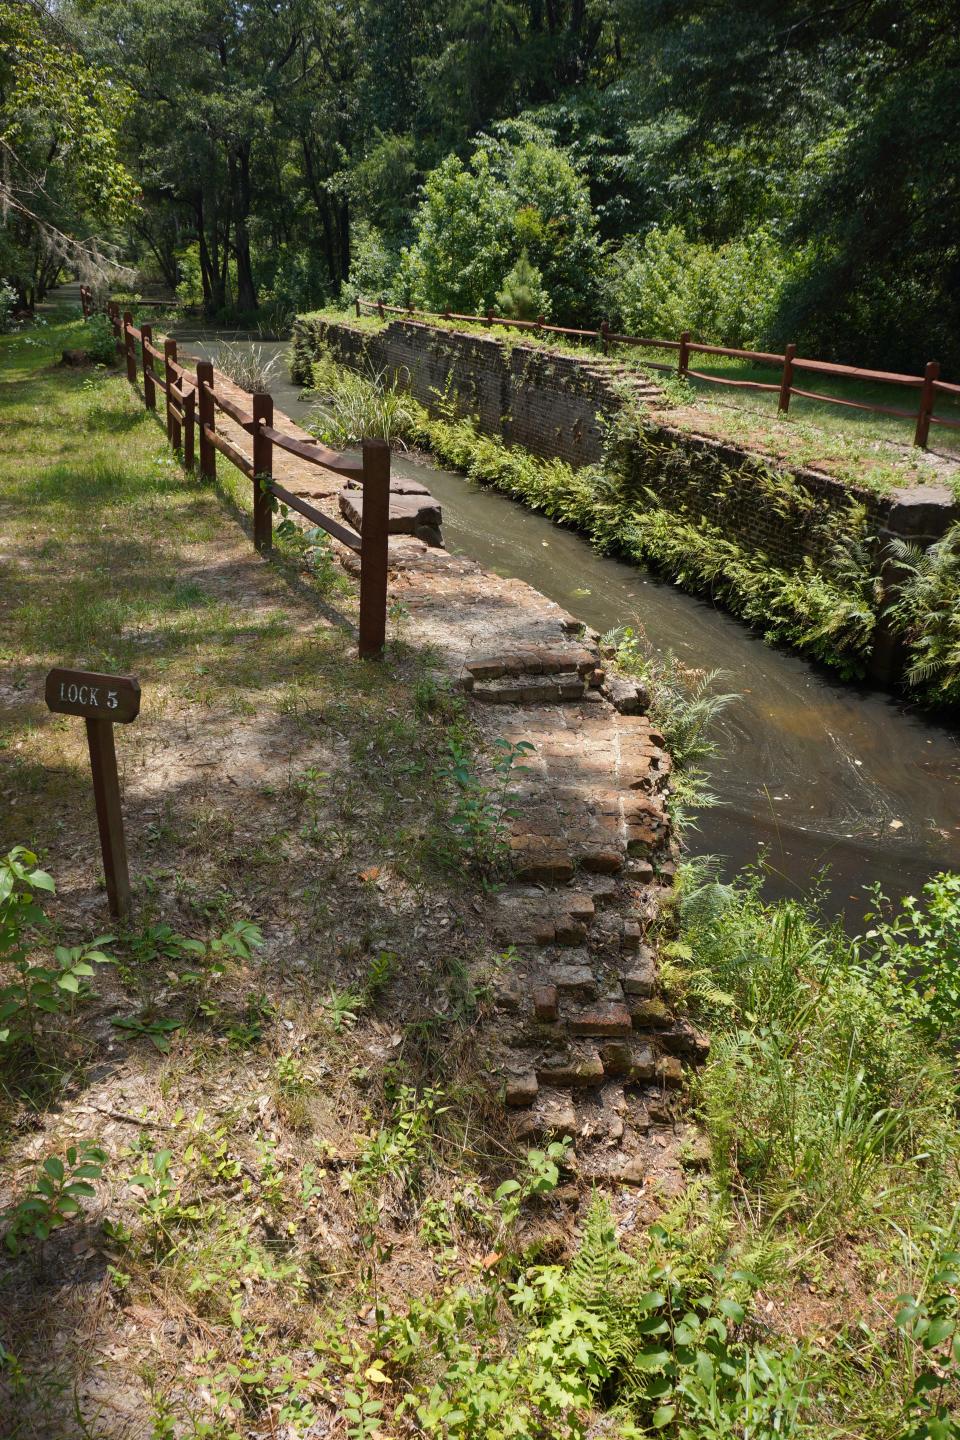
column 240, row 192
column 344, row 234
column 206, row 268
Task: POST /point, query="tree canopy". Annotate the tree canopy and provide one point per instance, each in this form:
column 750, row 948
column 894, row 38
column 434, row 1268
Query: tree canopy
column 62, row 181
column 290, row 151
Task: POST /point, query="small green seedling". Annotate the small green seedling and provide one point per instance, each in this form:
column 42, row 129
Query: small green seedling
column 160, row 1032
column 56, row 1196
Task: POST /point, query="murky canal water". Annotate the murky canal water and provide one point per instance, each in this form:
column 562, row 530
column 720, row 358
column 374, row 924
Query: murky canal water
column 820, row 773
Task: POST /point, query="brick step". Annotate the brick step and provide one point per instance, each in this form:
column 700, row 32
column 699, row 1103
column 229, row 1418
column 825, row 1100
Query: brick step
column 564, row 687
column 612, row 1114
column 527, row 661
column 537, row 917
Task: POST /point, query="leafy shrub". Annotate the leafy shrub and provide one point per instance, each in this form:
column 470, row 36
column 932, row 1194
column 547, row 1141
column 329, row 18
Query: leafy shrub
column 726, row 295
column 484, row 808
column 919, row 944
column 99, row 341
column 476, row 220
column 37, row 989
column 55, row 1197
column 930, row 1325
column 8, row 302
column 373, row 265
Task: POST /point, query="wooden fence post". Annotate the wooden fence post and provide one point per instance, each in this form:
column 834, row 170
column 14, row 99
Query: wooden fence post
column 604, row 336
column 927, row 394
column 263, row 470
column 173, row 424
column 783, row 404
column 189, row 424
column 490, row 315
column 357, row 303
column 207, row 419
column 380, row 307
column 149, row 388
column 374, row 530
column 129, row 347
column 683, row 355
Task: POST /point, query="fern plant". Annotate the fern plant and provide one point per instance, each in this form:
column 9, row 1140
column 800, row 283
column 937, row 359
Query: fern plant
column 926, row 613
column 669, row 1341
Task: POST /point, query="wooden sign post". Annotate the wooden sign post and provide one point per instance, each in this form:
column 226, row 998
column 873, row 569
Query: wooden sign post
column 103, row 701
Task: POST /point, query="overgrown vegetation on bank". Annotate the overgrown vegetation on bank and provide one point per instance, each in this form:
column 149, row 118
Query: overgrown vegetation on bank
column 837, row 440
column 826, row 608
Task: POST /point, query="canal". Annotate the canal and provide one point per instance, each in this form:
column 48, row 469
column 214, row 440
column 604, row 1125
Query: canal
column 825, row 777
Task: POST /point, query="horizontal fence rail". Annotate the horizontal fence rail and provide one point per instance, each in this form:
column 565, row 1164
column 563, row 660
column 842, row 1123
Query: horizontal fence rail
column 929, row 383
column 191, row 407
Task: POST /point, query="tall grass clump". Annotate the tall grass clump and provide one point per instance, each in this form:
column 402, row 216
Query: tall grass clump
column 825, row 1104
column 247, row 365
column 829, row 1102
column 351, row 406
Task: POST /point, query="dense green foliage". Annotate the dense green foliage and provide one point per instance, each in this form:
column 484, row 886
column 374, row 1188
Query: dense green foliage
column 927, row 614
column 829, row 1101
column 778, row 170
column 476, row 222
column 61, row 177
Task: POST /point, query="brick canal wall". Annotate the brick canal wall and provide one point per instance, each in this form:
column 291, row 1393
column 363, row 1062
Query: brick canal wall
column 546, row 401
column 555, row 404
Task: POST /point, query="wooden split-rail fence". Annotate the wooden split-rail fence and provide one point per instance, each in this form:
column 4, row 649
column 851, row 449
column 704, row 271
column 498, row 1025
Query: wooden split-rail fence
column 928, row 384
column 191, row 418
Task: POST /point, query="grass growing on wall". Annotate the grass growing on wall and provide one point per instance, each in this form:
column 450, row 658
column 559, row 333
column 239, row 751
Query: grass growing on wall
column 864, row 451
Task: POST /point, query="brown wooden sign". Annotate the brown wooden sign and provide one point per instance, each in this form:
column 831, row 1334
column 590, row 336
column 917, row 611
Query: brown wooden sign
column 96, row 697
column 102, row 700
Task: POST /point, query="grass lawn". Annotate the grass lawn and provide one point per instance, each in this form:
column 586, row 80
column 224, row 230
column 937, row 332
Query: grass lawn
column 294, row 1210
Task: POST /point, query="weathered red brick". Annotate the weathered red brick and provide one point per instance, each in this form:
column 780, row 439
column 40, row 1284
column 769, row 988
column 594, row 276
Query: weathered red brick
column 651, row 1015
column 631, row 935
column 602, row 859
column 545, row 1002
column 617, row 1057
column 669, row 1070
column 538, row 858
column 603, row 1019
column 640, row 979
column 580, row 1068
